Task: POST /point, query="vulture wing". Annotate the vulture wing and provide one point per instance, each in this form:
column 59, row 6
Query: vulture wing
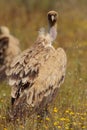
column 3, row 47
column 25, row 68
column 51, row 75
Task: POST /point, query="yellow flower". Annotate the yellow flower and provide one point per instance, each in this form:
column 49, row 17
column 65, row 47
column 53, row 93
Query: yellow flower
column 67, row 111
column 82, row 118
column 78, row 113
column 45, row 127
column 47, row 119
column 38, row 116
column 62, row 119
column 59, row 127
column 67, row 127
column 3, row 117
column 55, row 123
column 74, row 123
column 68, row 120
column 55, row 110
column 22, row 126
column 71, row 113
column 83, row 127
column 5, row 129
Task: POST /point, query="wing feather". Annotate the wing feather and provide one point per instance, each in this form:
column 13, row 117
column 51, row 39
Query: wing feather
column 3, row 47
column 51, row 75
column 25, row 68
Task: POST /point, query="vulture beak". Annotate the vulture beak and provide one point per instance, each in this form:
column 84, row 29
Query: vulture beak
column 52, row 17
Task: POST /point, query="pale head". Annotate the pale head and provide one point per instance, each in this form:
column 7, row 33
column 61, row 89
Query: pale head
column 52, row 17
column 4, row 30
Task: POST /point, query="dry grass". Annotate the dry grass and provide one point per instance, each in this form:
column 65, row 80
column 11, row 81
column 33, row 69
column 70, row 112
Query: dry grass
column 69, row 111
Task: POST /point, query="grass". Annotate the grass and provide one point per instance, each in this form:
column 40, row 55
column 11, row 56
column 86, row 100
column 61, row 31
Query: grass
column 69, row 110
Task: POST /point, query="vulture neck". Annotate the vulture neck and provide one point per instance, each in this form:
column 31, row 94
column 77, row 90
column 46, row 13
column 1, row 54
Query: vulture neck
column 53, row 31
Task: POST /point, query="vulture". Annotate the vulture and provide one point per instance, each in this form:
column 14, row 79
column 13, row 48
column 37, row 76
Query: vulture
column 37, row 73
column 9, row 48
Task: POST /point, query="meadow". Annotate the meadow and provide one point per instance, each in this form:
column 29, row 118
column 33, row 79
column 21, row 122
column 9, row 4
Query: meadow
column 69, row 110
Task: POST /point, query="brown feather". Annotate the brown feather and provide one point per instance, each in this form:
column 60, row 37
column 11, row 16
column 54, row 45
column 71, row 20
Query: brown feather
column 9, row 48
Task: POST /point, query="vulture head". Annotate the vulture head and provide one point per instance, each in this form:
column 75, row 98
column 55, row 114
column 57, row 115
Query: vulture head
column 52, row 17
column 52, row 20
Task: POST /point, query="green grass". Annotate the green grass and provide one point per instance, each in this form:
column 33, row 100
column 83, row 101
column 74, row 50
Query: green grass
column 69, row 110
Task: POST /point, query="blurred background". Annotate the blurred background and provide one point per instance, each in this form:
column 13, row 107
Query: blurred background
column 24, row 18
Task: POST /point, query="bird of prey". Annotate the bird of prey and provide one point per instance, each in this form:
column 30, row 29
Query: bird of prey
column 9, row 48
column 37, row 73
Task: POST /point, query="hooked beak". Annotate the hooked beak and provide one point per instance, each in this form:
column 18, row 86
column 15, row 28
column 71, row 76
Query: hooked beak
column 52, row 17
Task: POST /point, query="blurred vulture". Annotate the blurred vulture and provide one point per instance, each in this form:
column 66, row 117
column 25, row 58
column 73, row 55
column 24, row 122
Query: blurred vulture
column 9, row 48
column 37, row 73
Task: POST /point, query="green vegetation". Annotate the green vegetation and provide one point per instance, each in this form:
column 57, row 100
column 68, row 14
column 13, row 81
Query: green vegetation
column 24, row 18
